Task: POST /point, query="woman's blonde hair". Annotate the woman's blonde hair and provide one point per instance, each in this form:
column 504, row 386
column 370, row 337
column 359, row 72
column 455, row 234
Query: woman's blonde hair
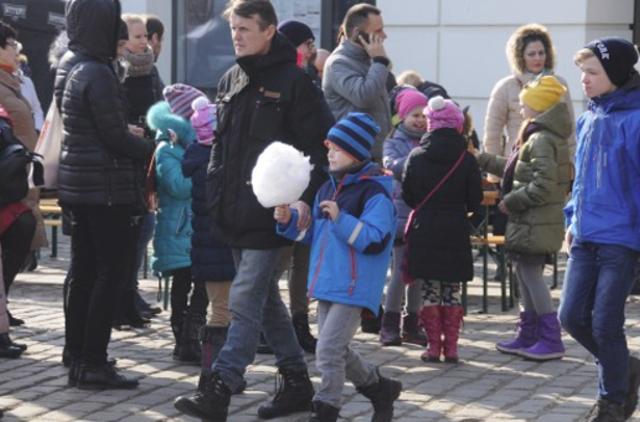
column 130, row 19
column 519, row 41
column 410, row 77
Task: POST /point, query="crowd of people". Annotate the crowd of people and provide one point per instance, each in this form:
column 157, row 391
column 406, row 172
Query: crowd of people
column 397, row 171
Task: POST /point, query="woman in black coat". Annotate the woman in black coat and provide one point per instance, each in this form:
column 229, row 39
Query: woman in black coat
column 440, row 249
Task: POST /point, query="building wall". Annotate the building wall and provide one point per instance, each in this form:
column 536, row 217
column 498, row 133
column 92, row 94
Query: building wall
column 461, row 43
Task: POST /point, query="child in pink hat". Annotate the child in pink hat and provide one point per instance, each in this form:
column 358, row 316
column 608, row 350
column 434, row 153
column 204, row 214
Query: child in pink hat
column 405, row 137
column 439, row 255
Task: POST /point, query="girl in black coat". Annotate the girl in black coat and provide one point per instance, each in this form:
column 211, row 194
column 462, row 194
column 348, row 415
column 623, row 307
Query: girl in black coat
column 440, row 249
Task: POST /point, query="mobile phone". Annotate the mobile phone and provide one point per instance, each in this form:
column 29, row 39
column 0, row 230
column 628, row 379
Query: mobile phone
column 357, row 33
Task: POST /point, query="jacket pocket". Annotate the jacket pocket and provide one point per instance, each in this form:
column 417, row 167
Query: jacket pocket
column 223, row 115
column 267, row 119
column 214, row 192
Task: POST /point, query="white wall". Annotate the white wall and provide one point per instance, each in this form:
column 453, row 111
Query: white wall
column 461, row 43
column 162, row 9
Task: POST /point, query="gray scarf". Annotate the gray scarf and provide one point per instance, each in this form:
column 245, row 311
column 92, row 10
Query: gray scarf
column 140, row 64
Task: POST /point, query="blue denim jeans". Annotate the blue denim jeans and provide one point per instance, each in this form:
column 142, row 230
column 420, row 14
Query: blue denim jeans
column 255, row 305
column 597, row 283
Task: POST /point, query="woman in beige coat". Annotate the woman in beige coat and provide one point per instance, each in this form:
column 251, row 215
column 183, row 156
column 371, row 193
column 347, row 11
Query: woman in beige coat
column 531, row 55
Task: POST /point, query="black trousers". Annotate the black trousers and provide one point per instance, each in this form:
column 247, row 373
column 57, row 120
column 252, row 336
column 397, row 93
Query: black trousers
column 16, row 245
column 101, row 242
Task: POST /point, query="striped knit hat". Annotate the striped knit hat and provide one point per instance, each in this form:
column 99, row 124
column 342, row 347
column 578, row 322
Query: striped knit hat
column 180, row 97
column 354, row 135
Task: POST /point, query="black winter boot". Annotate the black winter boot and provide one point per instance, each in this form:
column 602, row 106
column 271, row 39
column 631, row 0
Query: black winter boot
column 212, row 339
column 209, row 404
column 190, row 349
column 303, row 333
column 605, row 411
column 382, row 395
column 294, row 394
column 103, row 377
column 631, row 398
column 369, row 323
column 177, row 324
column 9, row 349
column 323, row 412
column 263, row 346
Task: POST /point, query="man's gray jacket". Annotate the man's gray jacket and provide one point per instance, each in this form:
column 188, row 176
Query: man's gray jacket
column 354, row 82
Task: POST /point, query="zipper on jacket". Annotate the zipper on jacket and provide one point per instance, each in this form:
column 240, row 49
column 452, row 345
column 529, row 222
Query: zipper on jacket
column 599, row 167
column 324, row 240
column 320, row 259
column 354, row 269
column 585, row 159
column 182, row 221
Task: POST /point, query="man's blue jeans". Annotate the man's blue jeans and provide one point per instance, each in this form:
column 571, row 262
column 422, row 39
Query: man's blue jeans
column 597, row 283
column 255, row 306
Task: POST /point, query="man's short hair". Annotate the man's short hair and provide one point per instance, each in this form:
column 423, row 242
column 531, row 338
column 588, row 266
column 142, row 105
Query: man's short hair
column 154, row 26
column 247, row 8
column 6, row 32
column 357, row 16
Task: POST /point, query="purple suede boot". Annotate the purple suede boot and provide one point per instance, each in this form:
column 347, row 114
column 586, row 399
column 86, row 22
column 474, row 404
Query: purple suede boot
column 527, row 329
column 549, row 345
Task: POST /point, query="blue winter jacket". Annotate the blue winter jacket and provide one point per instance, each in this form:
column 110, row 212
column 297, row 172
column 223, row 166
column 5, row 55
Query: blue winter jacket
column 350, row 257
column 211, row 259
column 172, row 238
column 605, row 204
column 396, row 150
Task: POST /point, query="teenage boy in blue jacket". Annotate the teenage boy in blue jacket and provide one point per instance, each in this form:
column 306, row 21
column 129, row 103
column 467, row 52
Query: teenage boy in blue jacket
column 603, row 216
column 351, row 238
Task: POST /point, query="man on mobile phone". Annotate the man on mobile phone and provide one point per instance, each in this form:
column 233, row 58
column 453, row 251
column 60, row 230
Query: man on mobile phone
column 355, row 74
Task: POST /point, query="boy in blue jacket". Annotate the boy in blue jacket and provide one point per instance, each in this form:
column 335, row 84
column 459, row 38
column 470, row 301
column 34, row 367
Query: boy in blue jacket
column 351, row 238
column 603, row 219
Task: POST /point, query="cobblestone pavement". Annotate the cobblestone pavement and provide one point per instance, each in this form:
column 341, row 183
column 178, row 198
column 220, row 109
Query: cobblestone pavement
column 485, row 386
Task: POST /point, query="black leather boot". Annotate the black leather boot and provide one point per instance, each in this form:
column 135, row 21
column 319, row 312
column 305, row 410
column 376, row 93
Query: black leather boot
column 190, row 348
column 209, row 404
column 7, row 348
column 177, row 323
column 382, row 395
column 323, row 412
column 293, row 395
column 103, row 377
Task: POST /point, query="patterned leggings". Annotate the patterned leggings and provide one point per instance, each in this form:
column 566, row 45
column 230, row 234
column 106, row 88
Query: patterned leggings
column 440, row 293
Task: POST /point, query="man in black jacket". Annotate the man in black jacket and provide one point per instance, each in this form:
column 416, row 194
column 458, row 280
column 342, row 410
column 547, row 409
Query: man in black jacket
column 263, row 98
column 99, row 180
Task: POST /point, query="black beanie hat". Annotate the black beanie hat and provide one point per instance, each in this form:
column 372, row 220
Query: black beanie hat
column 617, row 55
column 296, row 31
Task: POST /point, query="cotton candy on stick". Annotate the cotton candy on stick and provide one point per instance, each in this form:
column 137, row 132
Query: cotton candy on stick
column 281, row 175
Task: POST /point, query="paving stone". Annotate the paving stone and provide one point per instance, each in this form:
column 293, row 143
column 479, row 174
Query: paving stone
column 486, row 386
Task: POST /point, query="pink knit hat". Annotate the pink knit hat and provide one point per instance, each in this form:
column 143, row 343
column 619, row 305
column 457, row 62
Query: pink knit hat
column 408, row 100
column 204, row 120
column 443, row 113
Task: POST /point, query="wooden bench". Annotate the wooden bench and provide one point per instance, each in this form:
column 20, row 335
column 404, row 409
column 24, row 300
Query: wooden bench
column 485, row 244
column 53, row 218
